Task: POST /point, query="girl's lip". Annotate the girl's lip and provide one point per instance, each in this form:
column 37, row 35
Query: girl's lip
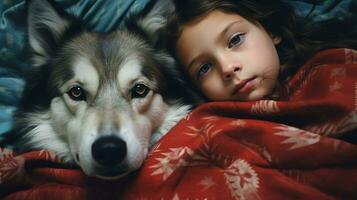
column 244, row 86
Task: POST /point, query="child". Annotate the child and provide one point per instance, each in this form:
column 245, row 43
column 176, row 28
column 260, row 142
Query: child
column 243, row 50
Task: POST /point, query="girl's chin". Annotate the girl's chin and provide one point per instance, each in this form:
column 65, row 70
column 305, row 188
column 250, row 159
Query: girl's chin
column 255, row 95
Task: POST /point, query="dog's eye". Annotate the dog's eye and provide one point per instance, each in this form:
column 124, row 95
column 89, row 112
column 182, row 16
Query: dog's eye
column 77, row 93
column 139, row 91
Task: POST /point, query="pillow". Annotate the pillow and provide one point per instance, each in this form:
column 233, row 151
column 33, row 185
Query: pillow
column 320, row 10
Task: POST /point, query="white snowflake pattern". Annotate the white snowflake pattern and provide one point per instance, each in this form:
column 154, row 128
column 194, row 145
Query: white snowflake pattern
column 184, row 156
column 265, row 107
column 49, row 155
column 242, row 180
column 171, row 161
column 266, row 155
column 203, row 131
column 238, row 122
column 155, row 149
column 257, row 148
column 188, row 116
column 176, row 197
column 211, row 118
column 9, row 165
column 297, row 175
column 335, row 86
column 207, row 182
column 207, row 154
column 299, row 138
column 350, row 56
column 341, row 71
column 5, row 153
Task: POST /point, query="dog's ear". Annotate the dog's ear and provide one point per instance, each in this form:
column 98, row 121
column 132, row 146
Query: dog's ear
column 152, row 21
column 46, row 26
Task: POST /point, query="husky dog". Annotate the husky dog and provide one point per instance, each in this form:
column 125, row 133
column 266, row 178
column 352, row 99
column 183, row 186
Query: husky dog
column 99, row 100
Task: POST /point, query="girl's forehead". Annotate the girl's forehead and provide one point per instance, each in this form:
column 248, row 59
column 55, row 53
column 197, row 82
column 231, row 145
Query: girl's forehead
column 215, row 16
column 213, row 21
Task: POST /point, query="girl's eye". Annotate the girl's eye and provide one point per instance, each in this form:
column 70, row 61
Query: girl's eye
column 77, row 93
column 235, row 40
column 204, row 69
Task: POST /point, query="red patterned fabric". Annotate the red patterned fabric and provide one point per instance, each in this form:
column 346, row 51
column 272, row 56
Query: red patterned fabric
column 229, row 150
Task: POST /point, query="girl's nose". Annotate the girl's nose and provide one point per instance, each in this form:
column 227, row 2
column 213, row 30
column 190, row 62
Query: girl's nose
column 230, row 66
column 230, row 72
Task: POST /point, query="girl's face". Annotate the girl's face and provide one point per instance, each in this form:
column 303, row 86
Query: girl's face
column 229, row 58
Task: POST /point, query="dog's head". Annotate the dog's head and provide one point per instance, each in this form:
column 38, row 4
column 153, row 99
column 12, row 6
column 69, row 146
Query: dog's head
column 97, row 98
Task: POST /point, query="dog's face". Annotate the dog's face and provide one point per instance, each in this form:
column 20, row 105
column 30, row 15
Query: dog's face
column 95, row 98
column 109, row 101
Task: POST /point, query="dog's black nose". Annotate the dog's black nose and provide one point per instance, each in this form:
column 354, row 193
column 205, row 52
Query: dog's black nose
column 109, row 151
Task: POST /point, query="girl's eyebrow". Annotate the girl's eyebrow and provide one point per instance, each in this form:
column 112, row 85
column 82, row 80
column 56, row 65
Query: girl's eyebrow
column 191, row 64
column 224, row 32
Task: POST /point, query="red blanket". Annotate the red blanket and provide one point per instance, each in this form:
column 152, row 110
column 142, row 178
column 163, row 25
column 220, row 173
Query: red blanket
column 229, row 150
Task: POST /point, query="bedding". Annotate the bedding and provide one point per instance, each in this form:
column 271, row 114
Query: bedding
column 303, row 148
column 296, row 149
